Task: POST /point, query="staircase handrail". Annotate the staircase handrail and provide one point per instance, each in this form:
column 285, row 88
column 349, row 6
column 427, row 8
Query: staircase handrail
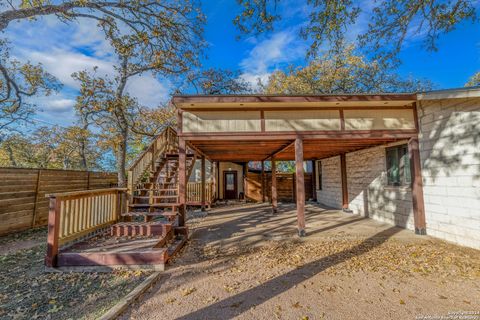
column 162, row 143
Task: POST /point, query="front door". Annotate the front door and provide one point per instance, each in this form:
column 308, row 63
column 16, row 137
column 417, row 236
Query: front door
column 230, row 185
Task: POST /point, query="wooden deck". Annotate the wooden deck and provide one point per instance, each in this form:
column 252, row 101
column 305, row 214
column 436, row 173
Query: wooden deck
column 105, row 250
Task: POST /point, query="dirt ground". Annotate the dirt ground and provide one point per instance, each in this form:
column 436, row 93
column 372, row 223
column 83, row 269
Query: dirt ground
column 28, row 292
column 245, row 263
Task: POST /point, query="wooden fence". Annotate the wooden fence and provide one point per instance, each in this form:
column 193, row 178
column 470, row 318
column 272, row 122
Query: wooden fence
column 73, row 215
column 194, row 195
column 285, row 186
column 22, row 193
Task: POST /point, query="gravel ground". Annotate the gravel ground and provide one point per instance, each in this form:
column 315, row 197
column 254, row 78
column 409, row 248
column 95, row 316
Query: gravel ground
column 245, row 263
column 27, row 292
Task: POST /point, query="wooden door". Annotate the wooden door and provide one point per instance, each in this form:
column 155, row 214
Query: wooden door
column 230, row 185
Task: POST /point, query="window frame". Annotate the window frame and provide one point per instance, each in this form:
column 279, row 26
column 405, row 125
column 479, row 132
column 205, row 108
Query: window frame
column 399, row 170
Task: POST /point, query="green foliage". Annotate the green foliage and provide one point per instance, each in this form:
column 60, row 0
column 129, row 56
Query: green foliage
column 342, row 72
column 53, row 148
column 389, row 22
column 474, row 80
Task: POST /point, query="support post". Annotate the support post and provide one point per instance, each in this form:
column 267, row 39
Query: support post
column 53, row 232
column 314, row 180
column 417, row 187
column 274, row 186
column 343, row 170
column 300, row 187
column 182, row 179
column 263, row 181
column 202, row 176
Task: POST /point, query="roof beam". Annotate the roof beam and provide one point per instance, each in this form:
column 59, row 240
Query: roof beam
column 280, row 150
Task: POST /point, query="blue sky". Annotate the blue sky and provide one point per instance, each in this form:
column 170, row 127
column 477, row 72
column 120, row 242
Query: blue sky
column 64, row 49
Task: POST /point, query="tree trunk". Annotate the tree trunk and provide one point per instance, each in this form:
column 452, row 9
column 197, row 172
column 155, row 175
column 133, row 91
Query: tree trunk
column 121, row 160
column 11, row 157
column 123, row 127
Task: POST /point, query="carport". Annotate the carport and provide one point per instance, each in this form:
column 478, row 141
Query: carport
column 244, row 128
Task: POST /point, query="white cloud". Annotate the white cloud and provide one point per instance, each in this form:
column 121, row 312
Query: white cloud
column 148, row 90
column 281, row 48
column 60, row 105
column 62, row 63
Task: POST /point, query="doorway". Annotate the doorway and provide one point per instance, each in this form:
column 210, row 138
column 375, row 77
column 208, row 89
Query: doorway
column 230, row 185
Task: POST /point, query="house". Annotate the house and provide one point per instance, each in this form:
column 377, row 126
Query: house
column 411, row 160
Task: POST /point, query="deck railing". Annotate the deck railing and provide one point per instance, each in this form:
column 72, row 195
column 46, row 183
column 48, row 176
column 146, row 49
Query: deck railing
column 73, row 215
column 164, row 142
column 194, row 192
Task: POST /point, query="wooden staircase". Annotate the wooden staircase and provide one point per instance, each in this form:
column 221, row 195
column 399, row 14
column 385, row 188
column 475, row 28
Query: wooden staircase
column 153, row 205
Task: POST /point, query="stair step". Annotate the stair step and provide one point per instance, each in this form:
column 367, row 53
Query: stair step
column 155, row 205
column 126, row 229
column 155, row 197
column 154, row 189
column 170, row 216
column 175, row 155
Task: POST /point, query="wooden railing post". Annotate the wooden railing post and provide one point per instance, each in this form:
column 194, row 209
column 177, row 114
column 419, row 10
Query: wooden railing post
column 118, row 204
column 53, row 232
column 202, row 178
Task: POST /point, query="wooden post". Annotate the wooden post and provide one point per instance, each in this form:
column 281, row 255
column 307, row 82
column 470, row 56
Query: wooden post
column 343, row 170
column 262, row 177
column 417, row 187
column 217, row 179
column 154, row 147
column 300, row 184
column 314, row 180
column 274, row 186
column 53, row 232
column 118, row 205
column 202, row 177
column 182, row 179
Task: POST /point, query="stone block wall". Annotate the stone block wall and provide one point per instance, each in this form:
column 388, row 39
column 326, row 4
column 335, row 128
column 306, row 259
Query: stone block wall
column 368, row 192
column 450, row 155
column 331, row 193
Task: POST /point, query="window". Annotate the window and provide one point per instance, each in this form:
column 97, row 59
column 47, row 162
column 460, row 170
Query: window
column 319, row 174
column 398, row 166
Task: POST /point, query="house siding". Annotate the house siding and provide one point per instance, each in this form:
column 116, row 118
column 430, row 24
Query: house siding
column 450, row 155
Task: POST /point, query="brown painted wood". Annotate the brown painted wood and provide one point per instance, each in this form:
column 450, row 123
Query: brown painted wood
column 182, row 180
column 285, row 186
column 263, row 181
column 300, row 186
column 274, row 186
column 230, row 194
column 417, row 187
column 296, row 108
column 53, row 232
column 343, row 172
column 154, row 257
column 262, row 120
column 203, row 178
column 179, row 121
column 192, row 99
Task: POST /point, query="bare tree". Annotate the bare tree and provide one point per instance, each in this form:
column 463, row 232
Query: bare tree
column 139, row 19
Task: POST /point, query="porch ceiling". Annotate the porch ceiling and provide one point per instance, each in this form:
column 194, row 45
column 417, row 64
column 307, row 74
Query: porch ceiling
column 257, row 150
